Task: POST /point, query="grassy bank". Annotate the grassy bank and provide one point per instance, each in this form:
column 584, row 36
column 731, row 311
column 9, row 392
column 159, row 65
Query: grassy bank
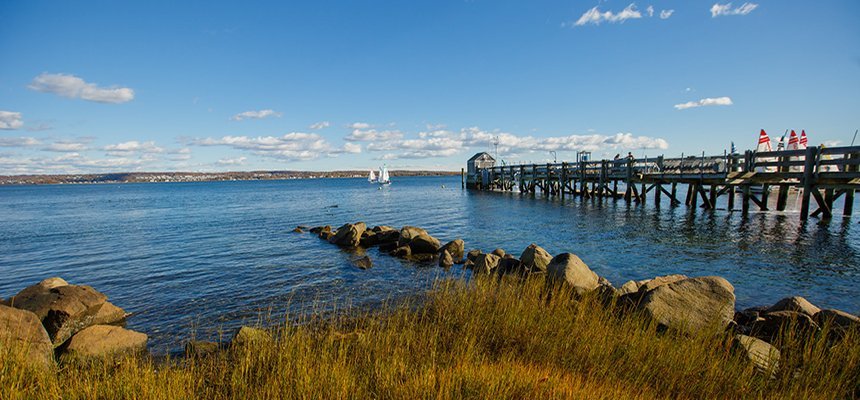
column 483, row 339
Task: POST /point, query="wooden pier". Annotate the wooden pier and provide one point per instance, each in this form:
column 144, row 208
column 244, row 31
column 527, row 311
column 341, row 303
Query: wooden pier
column 816, row 173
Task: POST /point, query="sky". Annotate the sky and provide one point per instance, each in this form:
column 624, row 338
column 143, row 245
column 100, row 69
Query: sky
column 116, row 86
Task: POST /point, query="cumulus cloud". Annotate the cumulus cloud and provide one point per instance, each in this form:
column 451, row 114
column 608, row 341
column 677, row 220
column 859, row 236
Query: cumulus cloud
column 10, row 120
column 295, row 146
column 596, row 17
column 709, row 101
column 67, row 146
column 133, row 146
column 76, row 88
column 256, row 115
column 665, row 14
column 351, row 148
column 232, row 161
column 320, row 125
column 19, row 142
column 718, row 10
column 359, row 125
column 367, row 135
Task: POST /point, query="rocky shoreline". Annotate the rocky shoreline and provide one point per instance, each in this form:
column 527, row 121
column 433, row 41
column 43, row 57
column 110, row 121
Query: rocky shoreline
column 54, row 321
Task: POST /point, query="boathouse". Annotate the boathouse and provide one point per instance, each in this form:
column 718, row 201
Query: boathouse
column 478, row 162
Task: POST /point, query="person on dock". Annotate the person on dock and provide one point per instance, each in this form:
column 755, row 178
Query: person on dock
column 630, row 155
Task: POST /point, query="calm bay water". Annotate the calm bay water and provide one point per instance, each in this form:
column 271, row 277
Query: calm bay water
column 210, row 256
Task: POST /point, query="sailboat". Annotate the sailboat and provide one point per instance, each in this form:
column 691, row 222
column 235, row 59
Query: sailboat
column 372, row 177
column 384, row 179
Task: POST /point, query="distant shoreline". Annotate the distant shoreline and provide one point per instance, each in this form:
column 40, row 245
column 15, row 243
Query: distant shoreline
column 164, row 177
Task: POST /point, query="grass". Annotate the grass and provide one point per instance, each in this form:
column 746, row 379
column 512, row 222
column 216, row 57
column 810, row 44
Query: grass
column 482, row 339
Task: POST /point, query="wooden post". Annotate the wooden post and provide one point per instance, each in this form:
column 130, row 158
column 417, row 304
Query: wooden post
column 848, row 208
column 808, row 181
column 658, row 193
column 689, row 198
column 674, row 192
column 462, row 178
column 745, row 206
column 731, row 197
column 563, row 182
column 695, row 194
column 713, row 196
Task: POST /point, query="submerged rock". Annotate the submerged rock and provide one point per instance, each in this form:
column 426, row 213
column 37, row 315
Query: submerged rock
column 22, row 330
column 570, row 269
column 199, row 348
column 363, row 262
column 103, row 341
column 298, row 230
column 247, row 335
column 445, row 259
column 691, row 305
column 424, row 244
column 109, row 314
column 407, row 233
column 401, row 252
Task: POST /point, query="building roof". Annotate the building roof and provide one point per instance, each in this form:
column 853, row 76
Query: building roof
column 483, row 153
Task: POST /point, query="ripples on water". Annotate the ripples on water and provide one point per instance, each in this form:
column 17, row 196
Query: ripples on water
column 208, row 256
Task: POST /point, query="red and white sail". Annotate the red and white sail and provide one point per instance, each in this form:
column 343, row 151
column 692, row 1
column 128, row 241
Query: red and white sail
column 793, row 142
column 803, row 141
column 764, row 146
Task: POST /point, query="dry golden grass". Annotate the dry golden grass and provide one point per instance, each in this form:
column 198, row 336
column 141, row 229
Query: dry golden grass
column 483, row 339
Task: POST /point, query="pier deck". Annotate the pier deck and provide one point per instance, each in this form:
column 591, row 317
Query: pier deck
column 817, row 173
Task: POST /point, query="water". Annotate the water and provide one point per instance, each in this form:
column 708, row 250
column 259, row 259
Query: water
column 206, row 257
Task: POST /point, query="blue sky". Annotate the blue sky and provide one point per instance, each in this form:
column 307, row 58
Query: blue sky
column 323, row 85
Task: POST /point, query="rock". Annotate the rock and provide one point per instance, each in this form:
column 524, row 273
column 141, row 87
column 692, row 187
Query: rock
column 628, row 288
column 401, row 252
column 64, row 310
column 4, row 302
column 445, row 259
column 389, row 236
column 298, row 230
column 509, row 265
column 38, row 289
column 568, row 268
column 840, row 319
column 763, row 356
column 769, row 325
column 382, row 228
column 651, row 284
column 319, row 229
column 348, row 235
column 795, row 303
column 248, row 335
column 747, row 317
column 103, row 341
column 498, row 252
column 690, row 305
column 424, row 244
column 21, row 329
column 473, row 255
column 456, row 248
column 388, row 247
column 199, row 348
column 422, row 257
column 535, row 259
column 109, row 314
column 407, row 233
column 363, row 262
column 486, row 263
column 326, row 235
column 369, row 239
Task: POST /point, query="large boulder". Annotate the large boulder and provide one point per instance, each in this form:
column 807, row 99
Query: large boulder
column 657, row 281
column 103, row 341
column 535, row 259
column 247, row 335
column 401, row 252
column 424, row 244
column 629, row 287
column 63, row 310
column 37, row 289
column 456, row 248
column 363, row 262
column 388, row 236
column 763, row 356
column 486, row 263
column 632, row 292
column 407, row 233
column 795, row 303
column 348, row 235
column 499, row 252
column 570, row 269
column 690, row 305
column 22, row 330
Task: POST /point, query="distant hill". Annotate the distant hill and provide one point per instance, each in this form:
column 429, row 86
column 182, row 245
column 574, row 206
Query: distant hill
column 136, row 177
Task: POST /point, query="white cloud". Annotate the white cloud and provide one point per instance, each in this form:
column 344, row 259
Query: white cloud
column 359, row 125
column 232, row 161
column 367, row 135
column 19, row 142
column 320, row 125
column 650, row 11
column 256, row 115
column 665, row 14
column 351, row 148
column 709, row 101
column 718, row 9
column 133, row 146
column 10, row 120
column 67, row 146
column 594, row 16
column 73, row 87
column 293, row 146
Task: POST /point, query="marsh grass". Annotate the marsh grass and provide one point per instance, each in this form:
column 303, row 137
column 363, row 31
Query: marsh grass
column 478, row 339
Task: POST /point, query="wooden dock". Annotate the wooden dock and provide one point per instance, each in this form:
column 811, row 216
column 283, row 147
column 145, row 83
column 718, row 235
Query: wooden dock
column 817, row 173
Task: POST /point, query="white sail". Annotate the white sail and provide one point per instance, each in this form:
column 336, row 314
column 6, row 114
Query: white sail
column 372, row 177
column 383, row 175
column 764, row 146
